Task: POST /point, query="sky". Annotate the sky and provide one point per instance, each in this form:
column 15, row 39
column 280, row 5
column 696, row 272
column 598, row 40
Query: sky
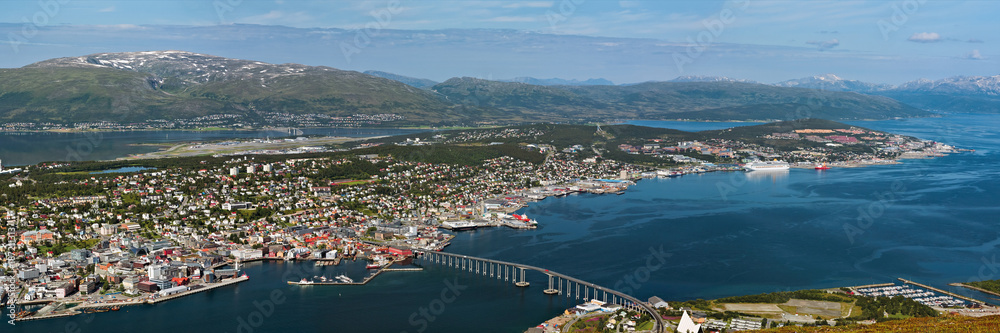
column 625, row 41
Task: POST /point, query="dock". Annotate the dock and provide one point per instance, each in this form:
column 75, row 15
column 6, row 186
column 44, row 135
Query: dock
column 872, row 285
column 47, row 316
column 974, row 288
column 198, row 290
column 108, row 305
column 905, row 281
column 363, row 282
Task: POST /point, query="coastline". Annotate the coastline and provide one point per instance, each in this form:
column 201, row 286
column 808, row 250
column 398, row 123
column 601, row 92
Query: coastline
column 76, row 310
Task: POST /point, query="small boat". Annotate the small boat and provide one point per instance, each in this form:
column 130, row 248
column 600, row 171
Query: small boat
column 304, row 281
column 343, row 278
column 373, row 266
column 822, row 167
column 116, row 308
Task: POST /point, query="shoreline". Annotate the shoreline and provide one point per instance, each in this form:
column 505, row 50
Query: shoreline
column 76, row 310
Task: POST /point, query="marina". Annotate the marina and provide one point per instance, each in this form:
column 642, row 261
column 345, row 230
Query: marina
column 929, row 298
column 343, row 280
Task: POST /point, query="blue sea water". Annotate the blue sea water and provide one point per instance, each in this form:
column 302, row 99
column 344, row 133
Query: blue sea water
column 932, row 221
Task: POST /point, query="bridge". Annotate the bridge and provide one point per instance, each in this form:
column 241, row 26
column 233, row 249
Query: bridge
column 559, row 284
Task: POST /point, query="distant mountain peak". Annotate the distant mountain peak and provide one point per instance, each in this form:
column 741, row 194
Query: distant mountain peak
column 834, row 83
column 828, row 77
column 705, row 78
column 963, row 85
column 411, row 81
column 561, row 82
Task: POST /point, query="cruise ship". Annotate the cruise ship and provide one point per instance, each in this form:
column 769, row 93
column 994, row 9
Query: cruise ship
column 766, row 166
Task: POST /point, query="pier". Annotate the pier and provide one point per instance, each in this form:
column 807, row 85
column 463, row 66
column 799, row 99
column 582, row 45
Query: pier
column 560, row 285
column 942, row 291
column 198, row 290
column 363, row 282
column 974, row 288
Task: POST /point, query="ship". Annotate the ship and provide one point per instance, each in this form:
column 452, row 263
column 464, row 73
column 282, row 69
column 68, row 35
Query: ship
column 766, row 166
column 524, row 218
column 343, row 278
column 822, row 167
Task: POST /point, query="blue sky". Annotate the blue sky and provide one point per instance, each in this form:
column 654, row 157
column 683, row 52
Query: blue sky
column 879, row 41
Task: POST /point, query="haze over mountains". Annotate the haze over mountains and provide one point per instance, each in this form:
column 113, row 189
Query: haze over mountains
column 142, row 86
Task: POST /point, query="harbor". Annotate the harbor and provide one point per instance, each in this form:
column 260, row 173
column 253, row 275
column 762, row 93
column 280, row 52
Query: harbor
column 48, row 312
column 970, row 299
column 342, row 280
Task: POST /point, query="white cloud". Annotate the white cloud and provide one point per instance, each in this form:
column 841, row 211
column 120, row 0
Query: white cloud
column 825, row 44
column 106, row 9
column 529, row 4
column 925, row 37
column 974, row 55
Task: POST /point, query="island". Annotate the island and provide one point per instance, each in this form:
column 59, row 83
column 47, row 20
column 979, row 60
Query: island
column 93, row 236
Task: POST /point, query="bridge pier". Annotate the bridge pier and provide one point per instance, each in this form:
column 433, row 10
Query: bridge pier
column 550, row 290
column 558, row 283
column 523, row 282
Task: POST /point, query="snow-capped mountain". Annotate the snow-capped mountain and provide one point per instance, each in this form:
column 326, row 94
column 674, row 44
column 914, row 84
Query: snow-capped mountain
column 702, row 78
column 834, row 83
column 965, row 85
column 188, row 68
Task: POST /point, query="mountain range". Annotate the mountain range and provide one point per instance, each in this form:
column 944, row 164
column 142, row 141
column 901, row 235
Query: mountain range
column 977, row 94
column 142, row 86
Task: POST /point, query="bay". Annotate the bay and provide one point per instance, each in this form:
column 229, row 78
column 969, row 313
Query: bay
column 932, row 221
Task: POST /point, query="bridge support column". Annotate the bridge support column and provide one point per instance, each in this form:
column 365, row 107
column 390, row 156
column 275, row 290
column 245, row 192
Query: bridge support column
column 550, row 291
column 523, row 282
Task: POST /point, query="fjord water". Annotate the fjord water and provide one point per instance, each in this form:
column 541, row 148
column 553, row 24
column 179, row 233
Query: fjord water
column 20, row 148
column 932, row 221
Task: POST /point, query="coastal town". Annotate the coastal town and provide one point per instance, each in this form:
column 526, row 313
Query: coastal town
column 80, row 240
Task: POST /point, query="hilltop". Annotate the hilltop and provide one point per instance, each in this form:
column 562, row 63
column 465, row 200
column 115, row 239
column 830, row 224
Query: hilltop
column 176, row 89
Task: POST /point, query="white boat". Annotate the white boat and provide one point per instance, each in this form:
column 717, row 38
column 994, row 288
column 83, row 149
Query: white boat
column 343, row 278
column 304, row 281
column 766, row 166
